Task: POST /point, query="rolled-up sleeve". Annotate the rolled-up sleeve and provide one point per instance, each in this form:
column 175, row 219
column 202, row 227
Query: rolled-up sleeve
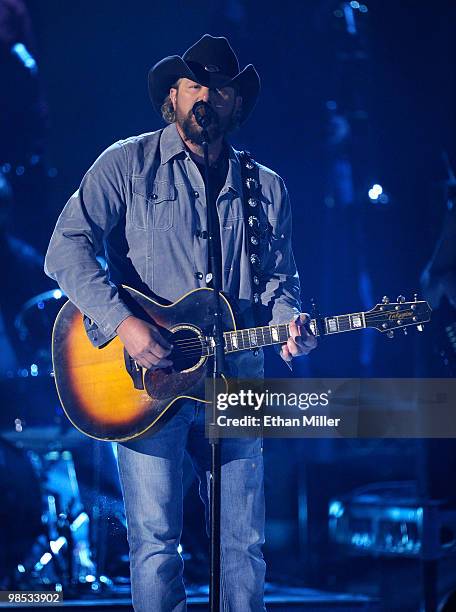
column 87, row 218
column 282, row 288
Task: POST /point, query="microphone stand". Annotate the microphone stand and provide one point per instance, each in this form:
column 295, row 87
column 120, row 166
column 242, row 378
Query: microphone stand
column 218, row 370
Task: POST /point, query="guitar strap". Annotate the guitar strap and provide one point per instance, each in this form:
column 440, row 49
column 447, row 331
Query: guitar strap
column 251, row 202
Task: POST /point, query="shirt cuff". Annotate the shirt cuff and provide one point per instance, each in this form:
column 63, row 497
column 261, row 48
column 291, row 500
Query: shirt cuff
column 113, row 319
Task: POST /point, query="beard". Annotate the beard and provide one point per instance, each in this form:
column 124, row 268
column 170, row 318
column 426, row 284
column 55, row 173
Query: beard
column 194, row 133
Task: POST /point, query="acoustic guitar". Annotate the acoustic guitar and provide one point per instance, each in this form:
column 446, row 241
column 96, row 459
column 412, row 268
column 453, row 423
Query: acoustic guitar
column 108, row 396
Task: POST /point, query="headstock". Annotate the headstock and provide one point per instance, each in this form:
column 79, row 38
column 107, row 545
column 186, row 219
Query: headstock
column 390, row 316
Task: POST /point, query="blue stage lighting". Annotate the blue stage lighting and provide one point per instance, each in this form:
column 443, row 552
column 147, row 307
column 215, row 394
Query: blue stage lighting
column 377, row 195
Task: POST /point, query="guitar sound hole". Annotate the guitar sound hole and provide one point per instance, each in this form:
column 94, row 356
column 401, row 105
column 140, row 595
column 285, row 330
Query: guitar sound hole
column 187, row 349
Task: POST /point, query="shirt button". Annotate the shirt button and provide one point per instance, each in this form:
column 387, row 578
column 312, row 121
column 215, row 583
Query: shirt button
column 199, row 275
column 196, row 194
column 154, row 196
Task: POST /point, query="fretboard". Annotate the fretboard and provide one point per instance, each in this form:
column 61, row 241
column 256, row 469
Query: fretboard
column 244, row 339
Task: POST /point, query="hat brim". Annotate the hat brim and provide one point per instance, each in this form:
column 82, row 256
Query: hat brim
column 166, row 72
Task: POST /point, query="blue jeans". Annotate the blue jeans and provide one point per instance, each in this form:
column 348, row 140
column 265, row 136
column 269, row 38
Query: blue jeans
column 151, row 478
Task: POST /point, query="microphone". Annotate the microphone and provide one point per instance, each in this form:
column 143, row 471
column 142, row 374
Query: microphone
column 204, row 114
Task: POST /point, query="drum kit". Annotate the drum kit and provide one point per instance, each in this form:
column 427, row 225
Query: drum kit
column 57, row 506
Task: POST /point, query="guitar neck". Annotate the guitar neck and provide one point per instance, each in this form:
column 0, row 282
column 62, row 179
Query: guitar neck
column 268, row 335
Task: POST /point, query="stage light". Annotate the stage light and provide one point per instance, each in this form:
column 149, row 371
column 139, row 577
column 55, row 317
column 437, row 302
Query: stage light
column 375, row 191
column 57, row 294
column 34, row 369
column 336, row 509
column 79, row 521
column 44, row 559
column 354, row 4
column 377, row 195
column 55, row 546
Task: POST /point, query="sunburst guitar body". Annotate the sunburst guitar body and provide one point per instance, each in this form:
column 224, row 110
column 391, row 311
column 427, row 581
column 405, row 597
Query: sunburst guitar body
column 105, row 394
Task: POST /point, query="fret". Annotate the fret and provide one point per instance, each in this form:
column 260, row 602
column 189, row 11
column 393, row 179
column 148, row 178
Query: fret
column 245, row 339
column 356, row 321
column 234, row 340
column 314, row 327
column 253, row 337
column 274, row 333
column 260, row 330
column 331, row 325
column 228, row 342
column 240, row 341
column 343, row 323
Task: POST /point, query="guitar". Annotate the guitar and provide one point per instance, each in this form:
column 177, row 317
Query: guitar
column 107, row 396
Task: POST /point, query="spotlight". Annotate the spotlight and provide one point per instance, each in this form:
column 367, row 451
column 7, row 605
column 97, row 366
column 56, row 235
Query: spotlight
column 377, row 195
column 375, row 191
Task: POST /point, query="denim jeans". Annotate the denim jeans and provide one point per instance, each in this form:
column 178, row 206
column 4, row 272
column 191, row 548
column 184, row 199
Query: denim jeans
column 151, row 478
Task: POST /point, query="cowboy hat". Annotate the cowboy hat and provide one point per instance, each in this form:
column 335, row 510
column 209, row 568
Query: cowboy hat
column 211, row 62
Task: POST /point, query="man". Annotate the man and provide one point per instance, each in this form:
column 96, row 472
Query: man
column 143, row 201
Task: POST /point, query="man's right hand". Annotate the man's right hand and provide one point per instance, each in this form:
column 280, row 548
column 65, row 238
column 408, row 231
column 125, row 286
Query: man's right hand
column 144, row 343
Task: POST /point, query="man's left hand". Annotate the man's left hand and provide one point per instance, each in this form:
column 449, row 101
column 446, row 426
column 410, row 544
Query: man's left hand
column 301, row 341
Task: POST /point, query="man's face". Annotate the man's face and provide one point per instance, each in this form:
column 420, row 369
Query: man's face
column 224, row 102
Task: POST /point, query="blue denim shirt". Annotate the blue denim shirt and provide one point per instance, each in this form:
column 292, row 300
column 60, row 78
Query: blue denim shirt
column 142, row 205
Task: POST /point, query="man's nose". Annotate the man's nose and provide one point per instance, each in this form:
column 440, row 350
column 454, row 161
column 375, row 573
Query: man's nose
column 205, row 94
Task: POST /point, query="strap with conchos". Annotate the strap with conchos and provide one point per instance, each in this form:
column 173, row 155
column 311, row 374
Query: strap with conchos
column 255, row 232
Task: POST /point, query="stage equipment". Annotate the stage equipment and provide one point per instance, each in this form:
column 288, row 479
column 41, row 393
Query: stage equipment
column 389, row 519
column 33, row 326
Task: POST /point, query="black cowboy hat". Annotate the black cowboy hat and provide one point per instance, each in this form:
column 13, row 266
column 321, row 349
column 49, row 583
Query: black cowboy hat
column 211, row 62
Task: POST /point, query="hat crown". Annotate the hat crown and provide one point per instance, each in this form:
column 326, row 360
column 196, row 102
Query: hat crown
column 214, row 54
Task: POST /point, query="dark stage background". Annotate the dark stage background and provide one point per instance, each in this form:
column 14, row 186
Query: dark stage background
column 353, row 95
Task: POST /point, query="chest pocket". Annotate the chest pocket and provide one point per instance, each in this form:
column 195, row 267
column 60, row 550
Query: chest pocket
column 153, row 205
column 230, row 209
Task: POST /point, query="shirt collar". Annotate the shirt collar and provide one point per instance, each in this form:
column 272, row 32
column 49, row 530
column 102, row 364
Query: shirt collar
column 171, row 145
column 233, row 179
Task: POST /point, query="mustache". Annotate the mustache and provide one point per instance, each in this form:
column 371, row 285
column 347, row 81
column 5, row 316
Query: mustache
column 215, row 118
column 194, row 133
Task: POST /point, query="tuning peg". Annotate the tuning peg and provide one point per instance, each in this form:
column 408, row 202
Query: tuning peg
column 420, row 327
column 390, row 333
column 400, row 299
column 385, row 299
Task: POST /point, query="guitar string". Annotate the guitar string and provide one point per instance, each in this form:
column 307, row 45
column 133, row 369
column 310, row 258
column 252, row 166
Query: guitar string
column 197, row 343
column 239, row 333
column 197, row 347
